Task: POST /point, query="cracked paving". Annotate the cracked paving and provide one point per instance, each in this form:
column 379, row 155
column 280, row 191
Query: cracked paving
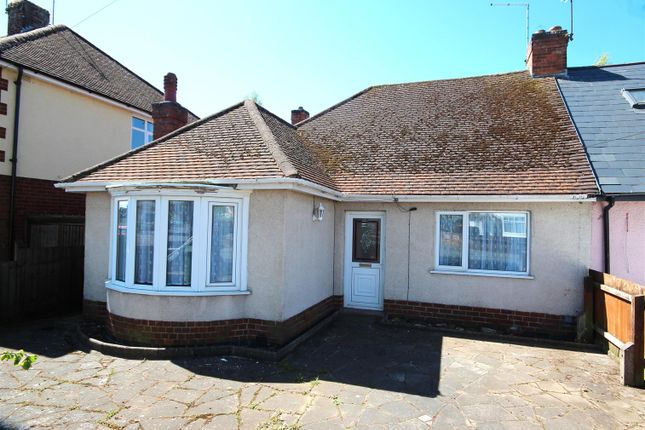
column 354, row 374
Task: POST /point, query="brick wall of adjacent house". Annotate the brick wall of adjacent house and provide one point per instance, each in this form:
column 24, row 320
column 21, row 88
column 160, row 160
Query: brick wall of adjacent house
column 502, row 320
column 34, row 197
column 236, row 331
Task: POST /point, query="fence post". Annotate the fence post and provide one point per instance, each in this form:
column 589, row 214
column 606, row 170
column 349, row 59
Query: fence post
column 638, row 330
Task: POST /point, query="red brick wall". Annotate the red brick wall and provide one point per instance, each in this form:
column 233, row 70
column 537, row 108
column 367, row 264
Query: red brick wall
column 238, row 331
column 547, row 53
column 34, row 197
column 524, row 323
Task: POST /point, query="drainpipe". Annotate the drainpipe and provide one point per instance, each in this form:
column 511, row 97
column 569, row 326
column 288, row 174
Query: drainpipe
column 14, row 167
column 605, row 225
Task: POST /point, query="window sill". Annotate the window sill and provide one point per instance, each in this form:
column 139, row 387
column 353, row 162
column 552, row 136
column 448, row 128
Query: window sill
column 121, row 289
column 484, row 274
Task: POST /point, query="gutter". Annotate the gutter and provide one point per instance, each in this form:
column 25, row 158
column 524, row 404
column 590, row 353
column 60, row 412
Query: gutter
column 75, row 88
column 306, row 187
column 14, row 166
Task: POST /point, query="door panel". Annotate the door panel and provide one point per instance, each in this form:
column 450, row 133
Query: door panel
column 363, row 242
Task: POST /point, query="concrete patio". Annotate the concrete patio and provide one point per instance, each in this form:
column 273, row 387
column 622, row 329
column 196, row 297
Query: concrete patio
column 356, row 373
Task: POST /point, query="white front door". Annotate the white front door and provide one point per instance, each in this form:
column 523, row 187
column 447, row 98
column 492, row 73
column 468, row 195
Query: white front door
column 364, row 260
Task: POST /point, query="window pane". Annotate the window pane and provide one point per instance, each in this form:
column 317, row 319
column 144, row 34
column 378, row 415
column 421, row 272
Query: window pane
column 121, row 238
column 490, row 247
column 143, row 255
column 149, row 127
column 138, row 123
column 180, row 243
column 450, row 239
column 222, row 244
column 138, row 138
column 365, row 243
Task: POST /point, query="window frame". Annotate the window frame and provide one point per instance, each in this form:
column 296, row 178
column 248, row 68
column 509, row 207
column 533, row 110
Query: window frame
column 200, row 253
column 148, row 136
column 463, row 269
column 633, row 102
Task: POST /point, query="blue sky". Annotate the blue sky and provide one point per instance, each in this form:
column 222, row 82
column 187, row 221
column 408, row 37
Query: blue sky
column 316, row 53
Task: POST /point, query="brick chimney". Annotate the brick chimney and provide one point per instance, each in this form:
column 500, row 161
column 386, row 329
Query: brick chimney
column 168, row 115
column 25, row 16
column 547, row 53
column 298, row 115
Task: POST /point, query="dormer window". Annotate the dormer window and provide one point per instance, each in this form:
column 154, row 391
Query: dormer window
column 635, row 97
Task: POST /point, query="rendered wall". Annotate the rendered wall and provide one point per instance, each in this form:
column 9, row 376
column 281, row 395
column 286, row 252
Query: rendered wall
column 265, row 270
column 560, row 253
column 309, row 253
column 97, row 245
column 627, row 237
column 61, row 131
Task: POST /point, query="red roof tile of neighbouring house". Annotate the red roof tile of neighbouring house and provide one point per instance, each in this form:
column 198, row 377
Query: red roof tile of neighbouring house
column 489, row 135
column 59, row 52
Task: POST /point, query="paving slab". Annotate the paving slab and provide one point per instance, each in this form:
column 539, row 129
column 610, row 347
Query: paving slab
column 354, row 374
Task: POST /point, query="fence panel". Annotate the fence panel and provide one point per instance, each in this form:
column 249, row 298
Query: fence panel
column 615, row 309
column 41, row 282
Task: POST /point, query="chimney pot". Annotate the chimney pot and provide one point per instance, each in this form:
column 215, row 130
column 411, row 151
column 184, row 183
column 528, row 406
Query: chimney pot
column 546, row 54
column 298, row 115
column 170, row 87
column 168, row 115
column 25, row 16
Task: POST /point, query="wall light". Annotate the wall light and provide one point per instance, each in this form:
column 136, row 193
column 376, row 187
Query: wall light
column 319, row 212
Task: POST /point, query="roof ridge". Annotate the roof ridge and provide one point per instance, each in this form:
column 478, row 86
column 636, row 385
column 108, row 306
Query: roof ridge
column 187, row 127
column 283, row 162
column 37, row 33
column 633, row 63
column 360, row 93
column 332, row 107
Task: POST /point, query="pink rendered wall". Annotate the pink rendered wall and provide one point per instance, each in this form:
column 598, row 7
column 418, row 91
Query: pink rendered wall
column 627, row 236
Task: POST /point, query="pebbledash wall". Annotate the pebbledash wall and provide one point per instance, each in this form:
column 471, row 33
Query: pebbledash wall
column 560, row 253
column 53, row 121
column 627, row 240
column 289, row 275
column 295, row 274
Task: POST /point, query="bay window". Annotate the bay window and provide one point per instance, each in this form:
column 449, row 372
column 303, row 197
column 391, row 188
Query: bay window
column 179, row 243
column 483, row 242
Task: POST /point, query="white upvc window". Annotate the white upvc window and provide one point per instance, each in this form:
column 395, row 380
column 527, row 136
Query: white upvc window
column 141, row 133
column 179, row 242
column 483, row 242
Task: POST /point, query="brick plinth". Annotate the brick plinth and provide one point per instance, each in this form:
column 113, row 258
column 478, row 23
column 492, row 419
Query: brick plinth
column 506, row 321
column 246, row 331
column 94, row 311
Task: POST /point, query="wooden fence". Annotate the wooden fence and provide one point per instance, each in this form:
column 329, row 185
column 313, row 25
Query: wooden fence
column 615, row 310
column 41, row 281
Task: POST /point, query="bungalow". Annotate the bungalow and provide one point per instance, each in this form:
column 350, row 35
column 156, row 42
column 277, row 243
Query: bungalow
column 607, row 106
column 460, row 201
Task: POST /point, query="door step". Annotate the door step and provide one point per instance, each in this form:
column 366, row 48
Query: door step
column 365, row 312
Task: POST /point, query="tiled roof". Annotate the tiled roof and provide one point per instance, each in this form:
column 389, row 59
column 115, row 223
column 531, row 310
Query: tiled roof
column 59, row 52
column 503, row 134
column 499, row 134
column 612, row 131
column 242, row 142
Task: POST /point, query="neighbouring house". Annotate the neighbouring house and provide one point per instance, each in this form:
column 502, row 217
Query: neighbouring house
column 461, row 201
column 65, row 105
column 607, row 105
